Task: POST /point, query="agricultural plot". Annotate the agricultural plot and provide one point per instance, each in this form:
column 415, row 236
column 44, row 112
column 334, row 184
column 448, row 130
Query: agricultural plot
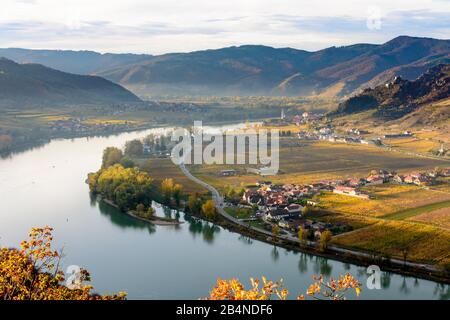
column 160, row 169
column 387, row 199
column 438, row 217
column 413, row 144
column 308, row 162
column 399, row 239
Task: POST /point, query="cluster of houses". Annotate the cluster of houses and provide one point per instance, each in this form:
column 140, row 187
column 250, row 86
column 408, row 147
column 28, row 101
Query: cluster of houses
column 80, row 126
column 351, row 187
column 404, row 134
column 327, row 134
column 275, row 202
column 305, row 117
column 421, row 178
column 279, row 204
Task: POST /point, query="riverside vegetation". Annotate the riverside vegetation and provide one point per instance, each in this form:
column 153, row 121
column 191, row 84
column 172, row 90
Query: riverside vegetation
column 125, row 185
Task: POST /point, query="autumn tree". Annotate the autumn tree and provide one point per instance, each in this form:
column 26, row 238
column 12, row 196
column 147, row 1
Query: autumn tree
column 275, row 229
column 140, row 208
column 325, row 239
column 167, row 187
column 305, row 211
column 209, row 209
column 126, row 187
column 267, row 290
column 150, row 212
column 302, row 235
column 333, row 289
column 33, row 273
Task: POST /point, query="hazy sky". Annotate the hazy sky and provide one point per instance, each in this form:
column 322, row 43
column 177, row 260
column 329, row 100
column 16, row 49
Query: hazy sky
column 159, row 26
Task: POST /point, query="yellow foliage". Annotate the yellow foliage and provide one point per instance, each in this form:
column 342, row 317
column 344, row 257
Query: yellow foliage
column 265, row 290
column 32, row 273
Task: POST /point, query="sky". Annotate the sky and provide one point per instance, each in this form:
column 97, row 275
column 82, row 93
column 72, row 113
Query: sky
column 162, row 26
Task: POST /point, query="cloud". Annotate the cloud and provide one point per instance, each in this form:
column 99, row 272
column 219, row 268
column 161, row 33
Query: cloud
column 172, row 25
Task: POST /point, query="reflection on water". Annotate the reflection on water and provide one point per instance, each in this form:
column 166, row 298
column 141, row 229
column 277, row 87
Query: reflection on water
column 122, row 220
column 303, row 263
column 385, row 280
column 442, row 291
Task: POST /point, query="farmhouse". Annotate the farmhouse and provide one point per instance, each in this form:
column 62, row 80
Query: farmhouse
column 350, row 191
column 227, row 173
column 374, row 180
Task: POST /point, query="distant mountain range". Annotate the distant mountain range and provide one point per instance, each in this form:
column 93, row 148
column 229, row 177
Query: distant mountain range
column 79, row 62
column 400, row 97
column 25, row 85
column 253, row 70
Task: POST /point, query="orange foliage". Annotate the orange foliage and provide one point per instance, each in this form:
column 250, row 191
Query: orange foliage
column 33, row 273
column 235, row 290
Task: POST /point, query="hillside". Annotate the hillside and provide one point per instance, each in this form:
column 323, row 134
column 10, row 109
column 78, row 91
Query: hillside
column 25, row 85
column 260, row 70
column 400, row 97
column 253, row 69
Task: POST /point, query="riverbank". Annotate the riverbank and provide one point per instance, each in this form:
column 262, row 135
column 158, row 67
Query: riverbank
column 159, row 221
column 21, row 147
column 426, row 272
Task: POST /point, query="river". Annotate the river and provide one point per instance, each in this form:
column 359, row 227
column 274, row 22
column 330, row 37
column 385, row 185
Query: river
column 45, row 186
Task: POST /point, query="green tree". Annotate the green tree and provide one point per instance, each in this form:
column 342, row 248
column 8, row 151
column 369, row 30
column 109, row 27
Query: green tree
column 127, row 162
column 194, row 204
column 134, row 148
column 177, row 193
column 325, row 239
column 125, row 196
column 111, row 156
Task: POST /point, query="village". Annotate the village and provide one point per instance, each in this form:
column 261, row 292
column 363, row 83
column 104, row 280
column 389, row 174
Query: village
column 291, row 207
column 320, row 130
column 82, row 126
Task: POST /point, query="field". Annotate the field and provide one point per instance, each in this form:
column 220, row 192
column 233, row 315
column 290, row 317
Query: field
column 421, row 217
column 413, row 144
column 411, row 213
column 387, row 199
column 423, row 243
column 439, row 217
column 308, row 162
column 160, row 169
